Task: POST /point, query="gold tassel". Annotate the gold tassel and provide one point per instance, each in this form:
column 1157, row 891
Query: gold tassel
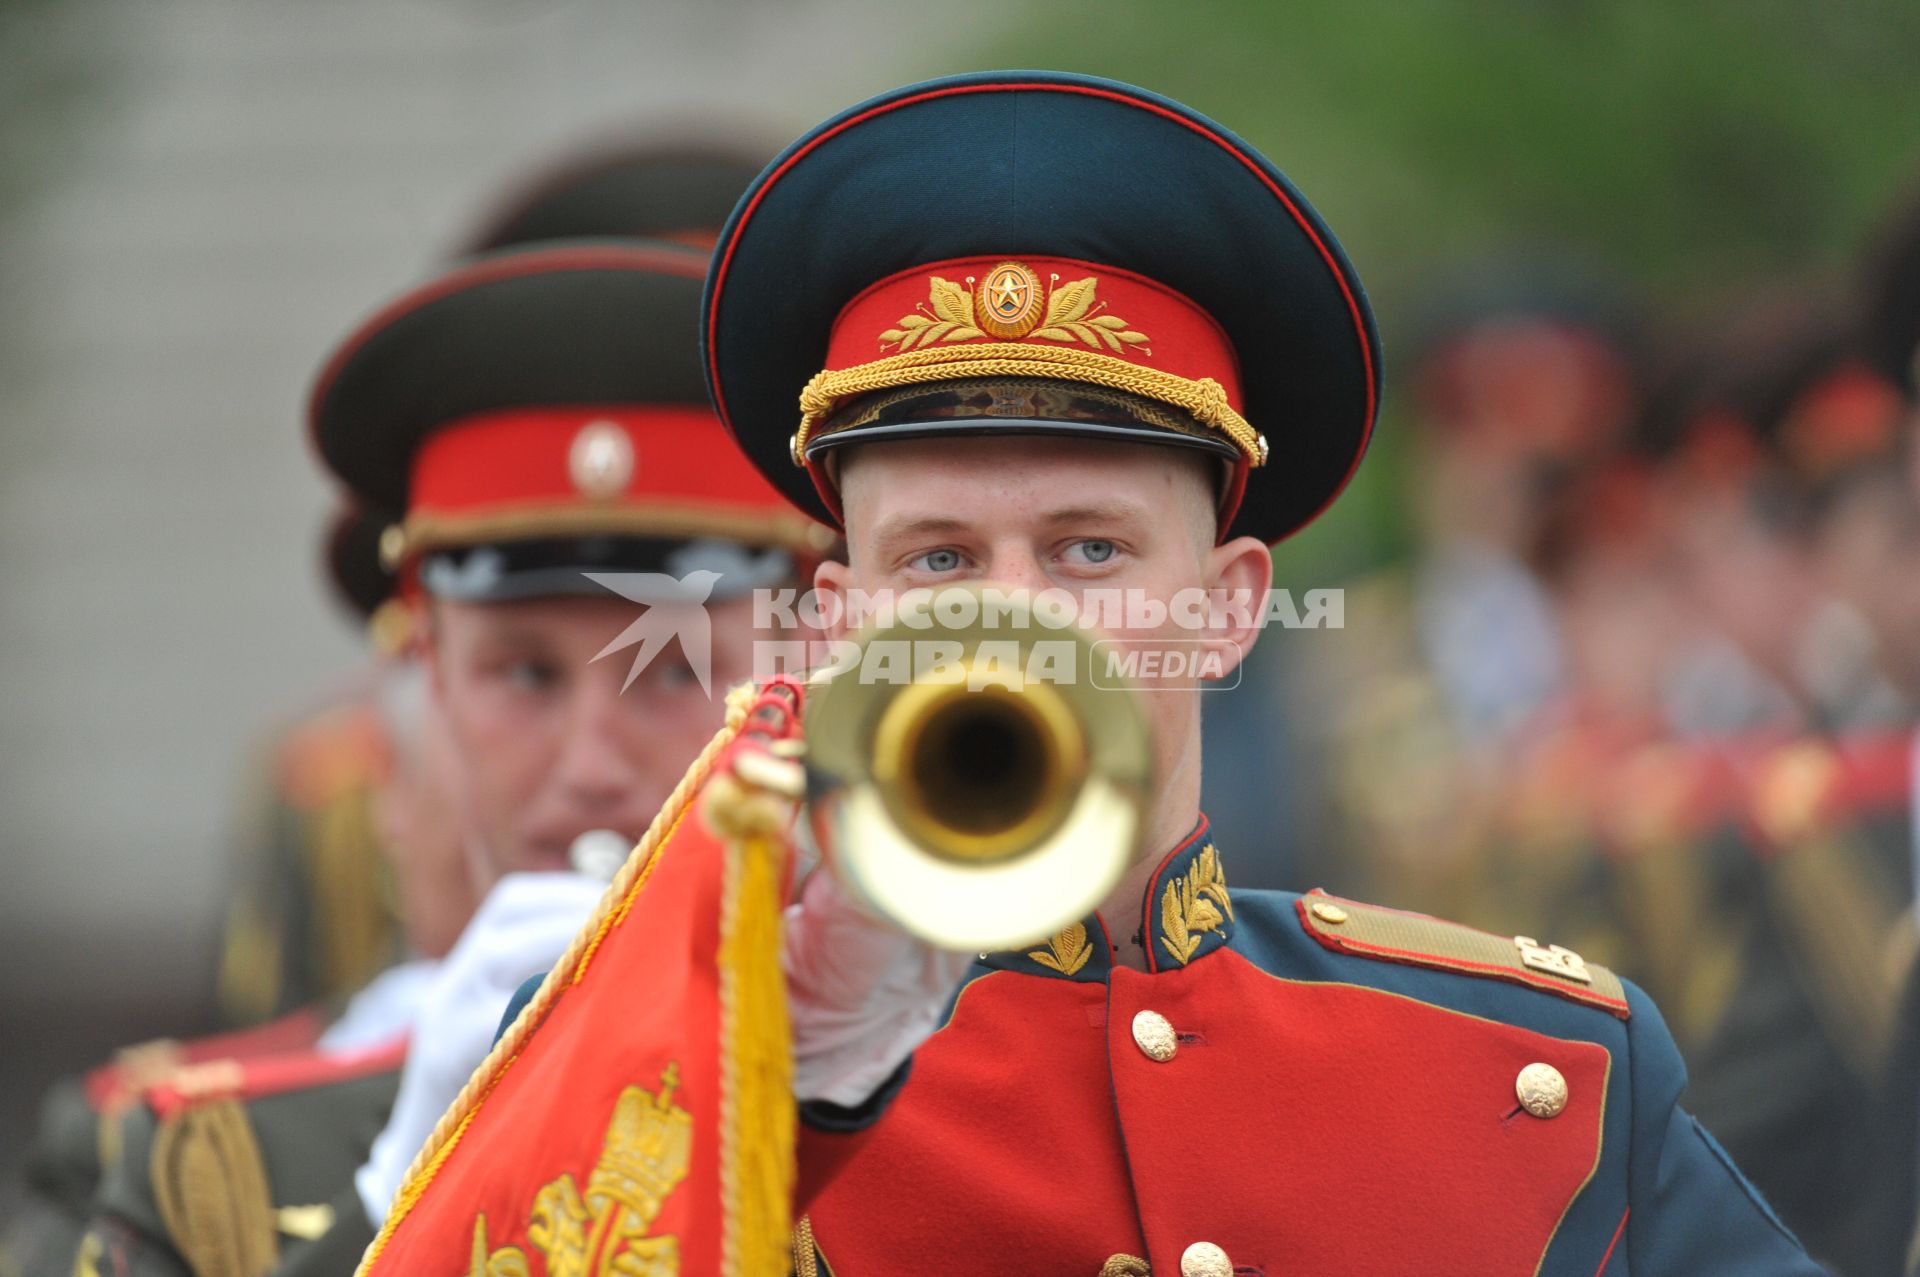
column 757, row 1116
column 210, row 1184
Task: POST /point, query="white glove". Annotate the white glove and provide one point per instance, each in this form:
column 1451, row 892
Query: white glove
column 520, row 930
column 384, row 1009
column 862, row 993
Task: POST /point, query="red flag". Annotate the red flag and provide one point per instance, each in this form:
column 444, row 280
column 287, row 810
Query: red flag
column 638, row 1117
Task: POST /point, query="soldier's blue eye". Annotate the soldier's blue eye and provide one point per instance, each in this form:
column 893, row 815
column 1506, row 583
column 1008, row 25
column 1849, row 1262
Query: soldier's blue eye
column 1095, row 551
column 940, row 560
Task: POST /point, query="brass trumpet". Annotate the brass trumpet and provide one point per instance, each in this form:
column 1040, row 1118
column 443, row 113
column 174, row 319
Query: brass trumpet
column 985, row 793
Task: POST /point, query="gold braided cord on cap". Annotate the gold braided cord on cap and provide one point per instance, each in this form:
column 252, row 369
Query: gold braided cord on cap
column 425, row 532
column 1204, row 399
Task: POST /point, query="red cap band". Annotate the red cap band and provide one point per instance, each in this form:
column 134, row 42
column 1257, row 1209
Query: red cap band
column 1042, row 301
column 549, row 471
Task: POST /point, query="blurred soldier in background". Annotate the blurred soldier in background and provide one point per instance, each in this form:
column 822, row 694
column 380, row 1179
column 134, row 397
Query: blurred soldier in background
column 1781, row 500
column 556, row 459
column 1693, row 757
column 360, row 779
column 548, row 457
column 313, row 919
column 1525, row 379
column 1782, row 418
column 1891, row 286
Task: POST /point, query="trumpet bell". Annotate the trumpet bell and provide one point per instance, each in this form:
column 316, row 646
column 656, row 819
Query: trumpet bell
column 993, row 797
column 982, row 776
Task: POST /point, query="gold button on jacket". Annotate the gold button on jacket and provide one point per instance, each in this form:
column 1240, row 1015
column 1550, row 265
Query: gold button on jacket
column 1542, row 1090
column 1153, row 1034
column 1204, row 1259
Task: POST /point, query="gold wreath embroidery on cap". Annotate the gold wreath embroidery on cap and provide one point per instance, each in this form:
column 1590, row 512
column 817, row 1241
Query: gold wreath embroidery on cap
column 1006, row 303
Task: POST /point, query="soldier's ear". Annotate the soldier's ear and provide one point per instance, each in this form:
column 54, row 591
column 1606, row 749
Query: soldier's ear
column 832, row 580
column 1238, row 574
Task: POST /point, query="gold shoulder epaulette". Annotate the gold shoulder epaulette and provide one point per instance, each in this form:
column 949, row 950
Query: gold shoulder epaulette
column 1390, row 935
column 210, row 1186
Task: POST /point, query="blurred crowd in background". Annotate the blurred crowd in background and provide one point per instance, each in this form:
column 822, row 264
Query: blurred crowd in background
column 1646, row 684
column 1630, row 653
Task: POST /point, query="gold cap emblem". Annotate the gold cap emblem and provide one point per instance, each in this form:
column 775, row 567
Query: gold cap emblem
column 600, row 462
column 1541, row 1089
column 1008, row 303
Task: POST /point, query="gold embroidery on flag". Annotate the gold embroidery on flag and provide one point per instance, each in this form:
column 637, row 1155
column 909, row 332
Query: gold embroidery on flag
column 508, row 1261
column 603, row 1232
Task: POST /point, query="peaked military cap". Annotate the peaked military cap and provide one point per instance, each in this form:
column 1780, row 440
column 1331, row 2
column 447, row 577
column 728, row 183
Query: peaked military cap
column 1041, row 253
column 678, row 189
column 351, row 547
column 538, row 413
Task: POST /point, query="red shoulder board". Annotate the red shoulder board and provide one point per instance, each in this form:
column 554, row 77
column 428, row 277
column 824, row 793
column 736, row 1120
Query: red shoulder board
column 133, row 1069
column 266, row 1075
column 1391, row 935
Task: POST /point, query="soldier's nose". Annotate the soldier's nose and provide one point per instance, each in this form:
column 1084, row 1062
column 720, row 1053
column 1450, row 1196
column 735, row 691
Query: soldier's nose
column 592, row 765
column 1018, row 570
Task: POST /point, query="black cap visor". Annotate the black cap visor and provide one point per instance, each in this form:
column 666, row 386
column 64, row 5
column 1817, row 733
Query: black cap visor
column 506, row 571
column 1013, row 406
